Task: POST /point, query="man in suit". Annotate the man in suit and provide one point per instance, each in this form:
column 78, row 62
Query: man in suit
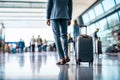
column 60, row 13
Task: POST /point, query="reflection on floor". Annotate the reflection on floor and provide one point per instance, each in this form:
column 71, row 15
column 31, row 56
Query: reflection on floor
column 42, row 66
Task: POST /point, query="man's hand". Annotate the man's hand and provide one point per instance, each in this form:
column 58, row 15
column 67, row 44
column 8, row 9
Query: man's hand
column 69, row 22
column 48, row 22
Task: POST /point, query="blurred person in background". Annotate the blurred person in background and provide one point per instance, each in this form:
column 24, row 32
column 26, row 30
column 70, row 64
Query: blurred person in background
column 32, row 44
column 96, row 38
column 39, row 43
column 21, row 45
column 45, row 45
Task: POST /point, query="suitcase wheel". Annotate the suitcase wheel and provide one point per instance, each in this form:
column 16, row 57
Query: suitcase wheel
column 91, row 63
column 78, row 62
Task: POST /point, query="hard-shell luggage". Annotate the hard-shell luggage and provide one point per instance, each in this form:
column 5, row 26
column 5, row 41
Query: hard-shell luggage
column 99, row 47
column 84, row 48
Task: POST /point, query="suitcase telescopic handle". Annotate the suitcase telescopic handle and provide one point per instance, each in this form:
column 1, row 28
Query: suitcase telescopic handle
column 85, row 27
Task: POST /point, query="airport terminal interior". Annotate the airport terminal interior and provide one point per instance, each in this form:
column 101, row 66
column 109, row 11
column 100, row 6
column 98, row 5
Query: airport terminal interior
column 22, row 20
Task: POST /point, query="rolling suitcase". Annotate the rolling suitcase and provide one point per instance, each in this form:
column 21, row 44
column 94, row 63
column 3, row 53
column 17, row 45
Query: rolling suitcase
column 99, row 47
column 84, row 48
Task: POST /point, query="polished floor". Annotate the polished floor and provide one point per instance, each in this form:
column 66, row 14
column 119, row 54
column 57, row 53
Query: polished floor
column 42, row 66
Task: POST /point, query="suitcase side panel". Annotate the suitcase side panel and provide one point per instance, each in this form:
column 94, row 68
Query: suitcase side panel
column 85, row 48
column 99, row 47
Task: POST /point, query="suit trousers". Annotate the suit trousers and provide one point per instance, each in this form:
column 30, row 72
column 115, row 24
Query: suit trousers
column 59, row 27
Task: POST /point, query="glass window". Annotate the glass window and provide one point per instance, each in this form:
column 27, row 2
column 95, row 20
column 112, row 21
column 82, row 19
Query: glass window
column 108, row 4
column 97, row 25
column 113, row 19
column 117, row 1
column 85, row 18
column 91, row 14
column 119, row 14
column 92, row 28
column 98, row 10
column 103, row 24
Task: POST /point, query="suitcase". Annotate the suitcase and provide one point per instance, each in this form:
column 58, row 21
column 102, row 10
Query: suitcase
column 99, row 47
column 84, row 48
